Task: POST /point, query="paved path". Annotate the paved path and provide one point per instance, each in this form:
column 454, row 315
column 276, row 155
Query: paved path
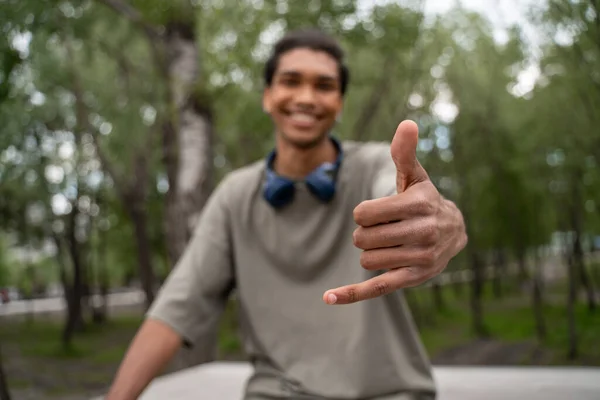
column 553, row 269
column 225, row 381
column 57, row 304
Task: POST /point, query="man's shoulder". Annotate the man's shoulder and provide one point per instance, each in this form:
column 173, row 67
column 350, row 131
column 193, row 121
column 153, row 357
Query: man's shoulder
column 242, row 179
column 248, row 171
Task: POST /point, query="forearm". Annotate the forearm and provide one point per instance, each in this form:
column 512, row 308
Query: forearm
column 151, row 350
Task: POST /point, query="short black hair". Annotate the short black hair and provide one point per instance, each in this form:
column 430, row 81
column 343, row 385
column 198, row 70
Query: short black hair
column 310, row 38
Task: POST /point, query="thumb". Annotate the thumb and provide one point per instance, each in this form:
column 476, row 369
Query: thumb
column 404, row 153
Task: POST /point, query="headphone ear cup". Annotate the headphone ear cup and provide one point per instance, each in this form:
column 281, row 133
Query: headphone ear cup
column 278, row 191
column 321, row 182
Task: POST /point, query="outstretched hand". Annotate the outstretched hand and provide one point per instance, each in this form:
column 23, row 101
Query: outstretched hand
column 412, row 234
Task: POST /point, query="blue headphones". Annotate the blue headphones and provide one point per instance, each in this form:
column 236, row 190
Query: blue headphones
column 279, row 191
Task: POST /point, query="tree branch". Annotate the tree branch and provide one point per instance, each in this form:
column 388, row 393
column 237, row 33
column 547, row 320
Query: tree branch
column 120, row 59
column 133, row 15
column 84, row 124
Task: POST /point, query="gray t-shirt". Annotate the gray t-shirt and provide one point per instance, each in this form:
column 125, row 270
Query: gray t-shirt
column 280, row 263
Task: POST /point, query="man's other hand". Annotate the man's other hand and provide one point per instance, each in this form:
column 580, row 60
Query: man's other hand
column 412, row 234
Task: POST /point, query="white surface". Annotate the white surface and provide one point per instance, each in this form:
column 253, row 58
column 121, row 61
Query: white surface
column 496, row 383
column 226, row 380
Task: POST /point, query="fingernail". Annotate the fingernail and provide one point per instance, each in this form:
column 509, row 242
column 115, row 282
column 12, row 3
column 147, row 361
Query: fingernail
column 331, row 298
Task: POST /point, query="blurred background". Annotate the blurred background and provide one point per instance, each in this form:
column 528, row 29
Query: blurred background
column 118, row 118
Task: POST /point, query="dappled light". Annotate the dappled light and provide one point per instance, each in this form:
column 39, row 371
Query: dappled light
column 120, row 119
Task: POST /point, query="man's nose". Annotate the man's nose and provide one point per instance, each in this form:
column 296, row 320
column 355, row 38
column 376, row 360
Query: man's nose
column 305, row 95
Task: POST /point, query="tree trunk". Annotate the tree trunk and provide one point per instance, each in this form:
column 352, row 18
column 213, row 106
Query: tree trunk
column 97, row 300
column 586, row 281
column 537, row 299
column 523, row 276
column 438, row 299
column 103, row 280
column 457, row 285
column 31, row 295
column 142, row 242
column 4, row 392
column 498, row 265
column 139, row 216
column 187, row 140
column 187, row 130
column 476, row 294
column 577, row 250
column 132, row 192
column 87, row 287
column 187, row 145
column 572, row 351
column 473, row 256
column 74, row 290
column 573, row 275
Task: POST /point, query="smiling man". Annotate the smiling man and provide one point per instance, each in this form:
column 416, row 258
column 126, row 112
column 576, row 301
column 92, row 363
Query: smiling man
column 318, row 241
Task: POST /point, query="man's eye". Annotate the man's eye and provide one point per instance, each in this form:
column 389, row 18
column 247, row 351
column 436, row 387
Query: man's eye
column 289, row 82
column 325, row 86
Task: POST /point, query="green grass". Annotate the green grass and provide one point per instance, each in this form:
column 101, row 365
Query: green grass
column 109, row 355
column 229, row 341
column 448, row 329
column 17, row 383
column 35, row 358
column 42, row 338
column 509, row 319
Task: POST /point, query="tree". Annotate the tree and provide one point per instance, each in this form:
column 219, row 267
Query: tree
column 187, row 119
column 4, row 392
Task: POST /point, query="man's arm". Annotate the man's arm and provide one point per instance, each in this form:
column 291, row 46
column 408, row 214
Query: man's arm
column 153, row 347
column 188, row 306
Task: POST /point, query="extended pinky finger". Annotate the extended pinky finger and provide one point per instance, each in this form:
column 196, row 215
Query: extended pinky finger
column 374, row 287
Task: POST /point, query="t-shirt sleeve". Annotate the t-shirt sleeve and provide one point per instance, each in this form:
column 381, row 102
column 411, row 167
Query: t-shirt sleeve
column 194, row 294
column 384, row 174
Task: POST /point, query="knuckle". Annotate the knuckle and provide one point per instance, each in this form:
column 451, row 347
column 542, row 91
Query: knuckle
column 413, row 276
column 360, row 238
column 352, row 295
column 423, row 205
column 430, row 232
column 367, row 260
column 359, row 214
column 381, row 288
column 356, row 239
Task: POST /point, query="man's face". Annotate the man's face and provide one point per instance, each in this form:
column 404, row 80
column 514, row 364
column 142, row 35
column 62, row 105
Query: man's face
column 304, row 98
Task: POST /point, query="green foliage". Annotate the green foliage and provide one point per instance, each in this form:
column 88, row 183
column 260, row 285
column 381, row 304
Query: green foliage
column 517, row 164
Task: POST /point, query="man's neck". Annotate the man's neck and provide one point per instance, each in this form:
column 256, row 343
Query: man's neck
column 295, row 162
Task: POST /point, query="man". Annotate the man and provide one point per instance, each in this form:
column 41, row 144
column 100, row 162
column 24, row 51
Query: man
column 317, row 240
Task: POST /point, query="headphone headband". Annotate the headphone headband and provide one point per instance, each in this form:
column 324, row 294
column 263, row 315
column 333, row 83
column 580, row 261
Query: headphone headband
column 321, row 182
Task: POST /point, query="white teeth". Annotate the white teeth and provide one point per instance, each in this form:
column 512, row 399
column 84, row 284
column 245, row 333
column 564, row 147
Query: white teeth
column 301, row 117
